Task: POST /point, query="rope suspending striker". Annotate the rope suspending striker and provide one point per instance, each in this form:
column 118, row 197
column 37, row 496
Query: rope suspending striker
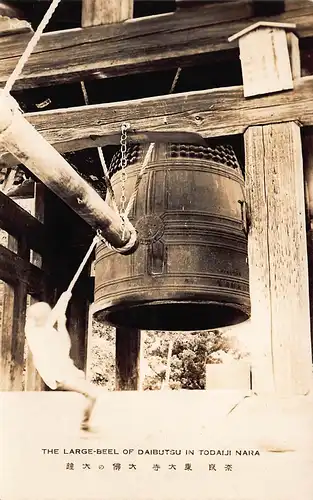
column 101, row 157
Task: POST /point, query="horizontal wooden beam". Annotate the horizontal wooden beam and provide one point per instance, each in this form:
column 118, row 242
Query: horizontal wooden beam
column 14, row 270
column 208, row 113
column 19, row 223
column 137, row 45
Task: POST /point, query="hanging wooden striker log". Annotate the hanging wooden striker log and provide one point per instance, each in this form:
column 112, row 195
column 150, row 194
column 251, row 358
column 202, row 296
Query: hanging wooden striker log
column 21, row 139
column 190, row 271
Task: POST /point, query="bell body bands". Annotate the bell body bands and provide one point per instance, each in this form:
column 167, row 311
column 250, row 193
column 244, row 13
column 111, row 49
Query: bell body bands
column 190, row 270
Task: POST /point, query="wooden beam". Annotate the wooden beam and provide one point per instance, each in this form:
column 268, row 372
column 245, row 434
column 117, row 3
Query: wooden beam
column 127, row 354
column 12, row 338
column 97, row 12
column 14, row 269
column 33, row 381
column 17, row 222
column 70, row 239
column 13, row 26
column 13, row 310
column 26, row 144
column 278, row 264
column 78, row 327
column 116, row 49
column 207, row 113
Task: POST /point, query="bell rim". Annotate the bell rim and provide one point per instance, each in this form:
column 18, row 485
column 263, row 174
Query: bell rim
column 108, row 315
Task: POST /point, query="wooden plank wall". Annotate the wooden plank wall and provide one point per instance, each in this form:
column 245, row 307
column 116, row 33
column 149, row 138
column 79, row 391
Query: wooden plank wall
column 20, row 278
column 59, row 244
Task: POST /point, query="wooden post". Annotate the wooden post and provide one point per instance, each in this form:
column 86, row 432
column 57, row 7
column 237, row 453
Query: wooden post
column 278, row 258
column 13, row 322
column 33, row 381
column 78, row 311
column 24, row 142
column 78, row 328
column 13, row 338
column 66, row 250
column 13, row 297
column 96, row 12
column 127, row 359
column 278, row 263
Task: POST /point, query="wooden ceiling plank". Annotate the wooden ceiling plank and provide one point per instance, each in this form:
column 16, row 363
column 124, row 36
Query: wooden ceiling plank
column 139, row 45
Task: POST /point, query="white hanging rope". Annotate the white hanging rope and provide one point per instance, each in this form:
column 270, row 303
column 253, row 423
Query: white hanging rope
column 147, row 156
column 138, row 180
column 178, row 71
column 83, row 263
column 30, row 47
column 101, row 157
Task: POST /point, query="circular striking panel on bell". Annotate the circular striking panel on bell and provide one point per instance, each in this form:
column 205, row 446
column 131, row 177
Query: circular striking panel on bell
column 190, row 269
column 149, row 228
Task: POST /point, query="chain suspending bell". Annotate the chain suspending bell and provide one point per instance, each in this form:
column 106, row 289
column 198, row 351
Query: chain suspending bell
column 190, row 270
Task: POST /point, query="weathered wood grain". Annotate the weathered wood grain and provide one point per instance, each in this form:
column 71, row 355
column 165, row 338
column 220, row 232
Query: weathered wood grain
column 20, row 277
column 17, row 222
column 127, row 355
column 278, row 262
column 209, row 113
column 259, row 267
column 78, row 328
column 22, row 140
column 7, row 305
column 33, row 381
column 14, row 269
column 18, row 337
column 13, row 26
column 138, row 45
column 97, row 12
column 294, row 54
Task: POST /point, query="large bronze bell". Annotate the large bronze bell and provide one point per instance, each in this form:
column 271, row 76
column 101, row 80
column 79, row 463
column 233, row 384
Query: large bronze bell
column 190, row 270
